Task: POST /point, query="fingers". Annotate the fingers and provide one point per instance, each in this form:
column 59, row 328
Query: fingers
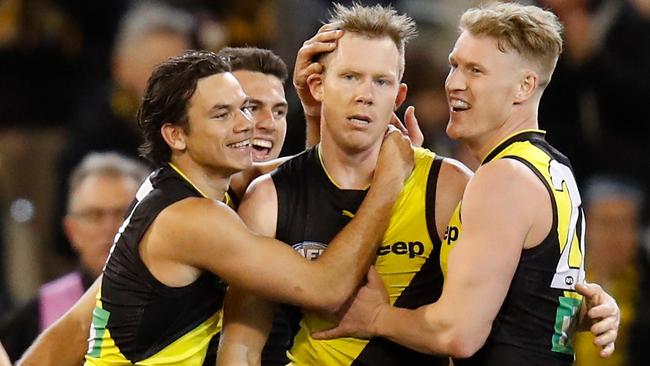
column 588, row 290
column 603, row 311
column 606, row 338
column 608, row 350
column 374, row 280
column 328, row 334
column 412, row 126
column 395, row 122
column 604, row 325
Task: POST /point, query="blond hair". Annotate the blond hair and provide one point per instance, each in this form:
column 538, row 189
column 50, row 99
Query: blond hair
column 532, row 32
column 376, row 22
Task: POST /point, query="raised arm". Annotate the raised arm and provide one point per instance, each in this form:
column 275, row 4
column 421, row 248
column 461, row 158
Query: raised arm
column 65, row 341
column 306, row 64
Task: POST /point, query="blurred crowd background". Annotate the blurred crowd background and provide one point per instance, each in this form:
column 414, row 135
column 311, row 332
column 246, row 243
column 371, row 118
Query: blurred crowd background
column 72, row 72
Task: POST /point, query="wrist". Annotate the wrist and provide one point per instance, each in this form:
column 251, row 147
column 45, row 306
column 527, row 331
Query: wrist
column 378, row 327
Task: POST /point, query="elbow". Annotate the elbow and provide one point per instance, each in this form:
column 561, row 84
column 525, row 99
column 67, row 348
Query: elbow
column 332, row 302
column 464, row 343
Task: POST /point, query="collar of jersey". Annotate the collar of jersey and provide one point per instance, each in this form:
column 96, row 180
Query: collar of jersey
column 187, row 179
column 320, row 158
column 500, row 144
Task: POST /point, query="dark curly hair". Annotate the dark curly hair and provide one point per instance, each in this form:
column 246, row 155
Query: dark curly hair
column 168, row 92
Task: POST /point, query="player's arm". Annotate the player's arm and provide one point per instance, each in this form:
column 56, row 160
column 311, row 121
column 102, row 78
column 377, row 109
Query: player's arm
column 240, row 181
column 306, row 64
column 248, row 318
column 65, row 341
column 452, row 180
column 206, row 235
column 498, row 197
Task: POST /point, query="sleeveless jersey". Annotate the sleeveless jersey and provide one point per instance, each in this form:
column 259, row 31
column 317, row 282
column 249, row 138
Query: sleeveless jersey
column 536, row 322
column 312, row 210
column 139, row 320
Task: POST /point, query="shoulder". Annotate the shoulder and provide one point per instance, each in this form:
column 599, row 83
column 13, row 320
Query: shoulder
column 191, row 214
column 505, row 183
column 260, row 192
column 454, row 172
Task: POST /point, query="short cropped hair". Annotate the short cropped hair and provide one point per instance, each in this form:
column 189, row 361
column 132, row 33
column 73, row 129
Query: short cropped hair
column 105, row 164
column 532, row 32
column 255, row 59
column 166, row 98
column 375, row 22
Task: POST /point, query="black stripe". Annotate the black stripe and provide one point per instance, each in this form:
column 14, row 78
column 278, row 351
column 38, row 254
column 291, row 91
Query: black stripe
column 430, row 204
column 524, row 136
column 211, row 355
column 425, row 288
column 233, row 197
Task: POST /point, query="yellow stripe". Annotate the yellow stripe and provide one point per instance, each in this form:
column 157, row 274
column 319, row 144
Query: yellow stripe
column 509, row 136
column 187, row 179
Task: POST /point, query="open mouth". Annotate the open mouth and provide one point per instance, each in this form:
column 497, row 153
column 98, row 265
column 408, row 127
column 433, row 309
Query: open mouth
column 359, row 119
column 459, row 105
column 261, row 148
column 240, row 145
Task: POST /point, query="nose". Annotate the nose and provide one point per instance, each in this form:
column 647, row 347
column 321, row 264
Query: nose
column 243, row 122
column 364, row 92
column 455, row 80
column 264, row 120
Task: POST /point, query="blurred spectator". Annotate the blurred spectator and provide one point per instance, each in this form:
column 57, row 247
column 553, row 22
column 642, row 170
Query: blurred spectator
column 105, row 121
column 613, row 209
column 101, row 188
column 48, row 48
column 602, row 79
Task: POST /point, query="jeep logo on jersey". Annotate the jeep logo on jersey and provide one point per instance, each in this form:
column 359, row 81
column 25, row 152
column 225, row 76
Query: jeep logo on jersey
column 451, row 235
column 412, row 248
column 309, row 249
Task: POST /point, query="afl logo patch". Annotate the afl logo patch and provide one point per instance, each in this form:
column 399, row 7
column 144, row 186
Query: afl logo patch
column 309, row 249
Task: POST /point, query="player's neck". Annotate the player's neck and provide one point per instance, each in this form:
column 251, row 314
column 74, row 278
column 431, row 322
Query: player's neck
column 348, row 169
column 483, row 144
column 212, row 184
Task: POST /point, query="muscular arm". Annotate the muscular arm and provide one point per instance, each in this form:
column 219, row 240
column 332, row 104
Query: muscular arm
column 499, row 196
column 212, row 237
column 248, row 318
column 65, row 342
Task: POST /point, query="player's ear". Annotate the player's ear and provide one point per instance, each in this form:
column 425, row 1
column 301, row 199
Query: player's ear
column 401, row 95
column 174, row 136
column 315, row 83
column 527, row 87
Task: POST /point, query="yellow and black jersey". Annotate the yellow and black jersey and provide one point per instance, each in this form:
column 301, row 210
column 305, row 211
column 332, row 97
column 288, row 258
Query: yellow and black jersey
column 312, row 210
column 139, row 320
column 536, row 322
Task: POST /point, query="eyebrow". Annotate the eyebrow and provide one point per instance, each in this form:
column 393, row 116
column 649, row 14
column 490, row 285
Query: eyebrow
column 216, row 107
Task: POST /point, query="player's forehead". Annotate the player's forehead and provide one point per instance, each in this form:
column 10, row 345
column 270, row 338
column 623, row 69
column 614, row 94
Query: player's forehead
column 217, row 90
column 372, row 54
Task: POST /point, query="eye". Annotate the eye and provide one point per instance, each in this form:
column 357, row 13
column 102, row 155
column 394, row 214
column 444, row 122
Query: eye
column 381, row 82
column 349, row 77
column 280, row 112
column 221, row 115
column 253, row 107
column 475, row 70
